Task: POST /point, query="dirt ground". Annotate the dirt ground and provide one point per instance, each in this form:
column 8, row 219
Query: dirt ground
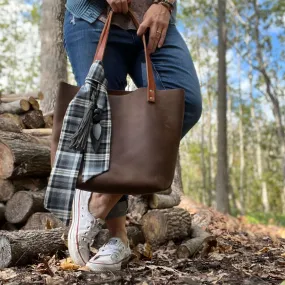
column 245, row 255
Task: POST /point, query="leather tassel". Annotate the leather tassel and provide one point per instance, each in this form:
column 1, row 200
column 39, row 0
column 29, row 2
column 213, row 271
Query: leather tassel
column 80, row 137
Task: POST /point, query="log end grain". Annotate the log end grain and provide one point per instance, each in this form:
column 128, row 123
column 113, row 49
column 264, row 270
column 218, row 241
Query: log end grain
column 25, row 105
column 5, row 252
column 6, row 161
column 22, row 205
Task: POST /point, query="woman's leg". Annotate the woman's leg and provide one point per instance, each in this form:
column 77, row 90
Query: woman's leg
column 81, row 39
column 173, row 68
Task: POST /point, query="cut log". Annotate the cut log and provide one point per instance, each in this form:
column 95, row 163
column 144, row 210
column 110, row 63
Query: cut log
column 7, row 190
column 7, row 125
column 22, row 247
column 48, row 121
column 160, row 201
column 10, row 136
column 138, row 206
column 19, row 158
column 42, row 221
column 16, row 107
column 32, row 184
column 135, row 236
column 2, row 212
column 23, row 204
column 16, row 120
column 38, row 132
column 200, row 241
column 16, row 97
column 34, row 103
column 160, row 226
column 33, row 119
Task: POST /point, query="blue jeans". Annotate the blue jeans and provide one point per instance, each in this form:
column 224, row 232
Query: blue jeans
column 172, row 64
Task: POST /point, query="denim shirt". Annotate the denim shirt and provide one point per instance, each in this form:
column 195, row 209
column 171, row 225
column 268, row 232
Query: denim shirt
column 90, row 10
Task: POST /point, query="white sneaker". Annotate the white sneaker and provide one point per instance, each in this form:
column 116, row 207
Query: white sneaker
column 83, row 229
column 110, row 256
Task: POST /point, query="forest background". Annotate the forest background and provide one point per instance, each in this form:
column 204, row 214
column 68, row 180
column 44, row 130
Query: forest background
column 234, row 158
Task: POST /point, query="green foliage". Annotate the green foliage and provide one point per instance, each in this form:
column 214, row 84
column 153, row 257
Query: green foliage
column 266, row 219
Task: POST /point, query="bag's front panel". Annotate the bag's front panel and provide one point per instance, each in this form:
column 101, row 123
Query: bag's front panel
column 145, row 141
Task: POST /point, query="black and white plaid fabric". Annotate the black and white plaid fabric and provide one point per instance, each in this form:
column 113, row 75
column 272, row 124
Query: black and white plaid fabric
column 64, row 174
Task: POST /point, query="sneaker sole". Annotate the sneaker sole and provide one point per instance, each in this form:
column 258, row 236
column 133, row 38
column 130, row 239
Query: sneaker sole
column 74, row 250
column 95, row 267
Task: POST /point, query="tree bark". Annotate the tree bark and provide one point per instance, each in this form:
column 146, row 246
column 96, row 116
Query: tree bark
column 222, row 196
column 10, row 136
column 16, row 107
column 21, row 247
column 33, row 119
column 53, row 57
column 138, row 206
column 160, row 226
column 48, row 121
column 42, row 221
column 21, row 158
column 23, row 204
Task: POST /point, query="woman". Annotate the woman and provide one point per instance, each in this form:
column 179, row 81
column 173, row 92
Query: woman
column 173, row 68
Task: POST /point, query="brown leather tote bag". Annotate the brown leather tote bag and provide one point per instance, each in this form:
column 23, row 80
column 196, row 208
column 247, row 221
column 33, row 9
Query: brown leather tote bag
column 146, row 132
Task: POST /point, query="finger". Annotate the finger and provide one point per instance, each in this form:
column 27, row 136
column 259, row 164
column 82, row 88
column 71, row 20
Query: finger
column 153, row 40
column 142, row 28
column 162, row 38
column 125, row 7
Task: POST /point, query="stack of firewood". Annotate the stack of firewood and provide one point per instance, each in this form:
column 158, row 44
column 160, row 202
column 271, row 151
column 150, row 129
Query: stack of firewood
column 24, row 161
column 28, row 229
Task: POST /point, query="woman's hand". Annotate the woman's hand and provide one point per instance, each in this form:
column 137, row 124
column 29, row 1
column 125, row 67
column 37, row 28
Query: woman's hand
column 119, row 6
column 157, row 20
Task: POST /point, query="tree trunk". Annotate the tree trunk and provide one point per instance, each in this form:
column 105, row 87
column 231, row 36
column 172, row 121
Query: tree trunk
column 33, row 119
column 30, row 184
column 203, row 163
column 10, row 136
column 160, row 226
column 23, row 204
column 242, row 191
column 222, row 196
column 21, row 247
column 21, row 158
column 16, row 107
column 259, row 158
column 53, row 57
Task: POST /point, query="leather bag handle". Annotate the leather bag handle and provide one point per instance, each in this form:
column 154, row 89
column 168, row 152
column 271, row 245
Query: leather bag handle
column 151, row 87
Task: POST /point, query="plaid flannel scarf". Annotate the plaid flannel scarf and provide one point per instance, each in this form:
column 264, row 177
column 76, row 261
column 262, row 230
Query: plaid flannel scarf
column 85, row 138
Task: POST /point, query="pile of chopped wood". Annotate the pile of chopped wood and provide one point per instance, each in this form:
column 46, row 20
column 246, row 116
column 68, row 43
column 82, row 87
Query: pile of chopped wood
column 24, row 160
column 28, row 229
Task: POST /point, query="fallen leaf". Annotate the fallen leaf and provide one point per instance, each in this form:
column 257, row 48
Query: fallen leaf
column 67, row 264
column 7, row 274
column 48, row 225
column 263, row 250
